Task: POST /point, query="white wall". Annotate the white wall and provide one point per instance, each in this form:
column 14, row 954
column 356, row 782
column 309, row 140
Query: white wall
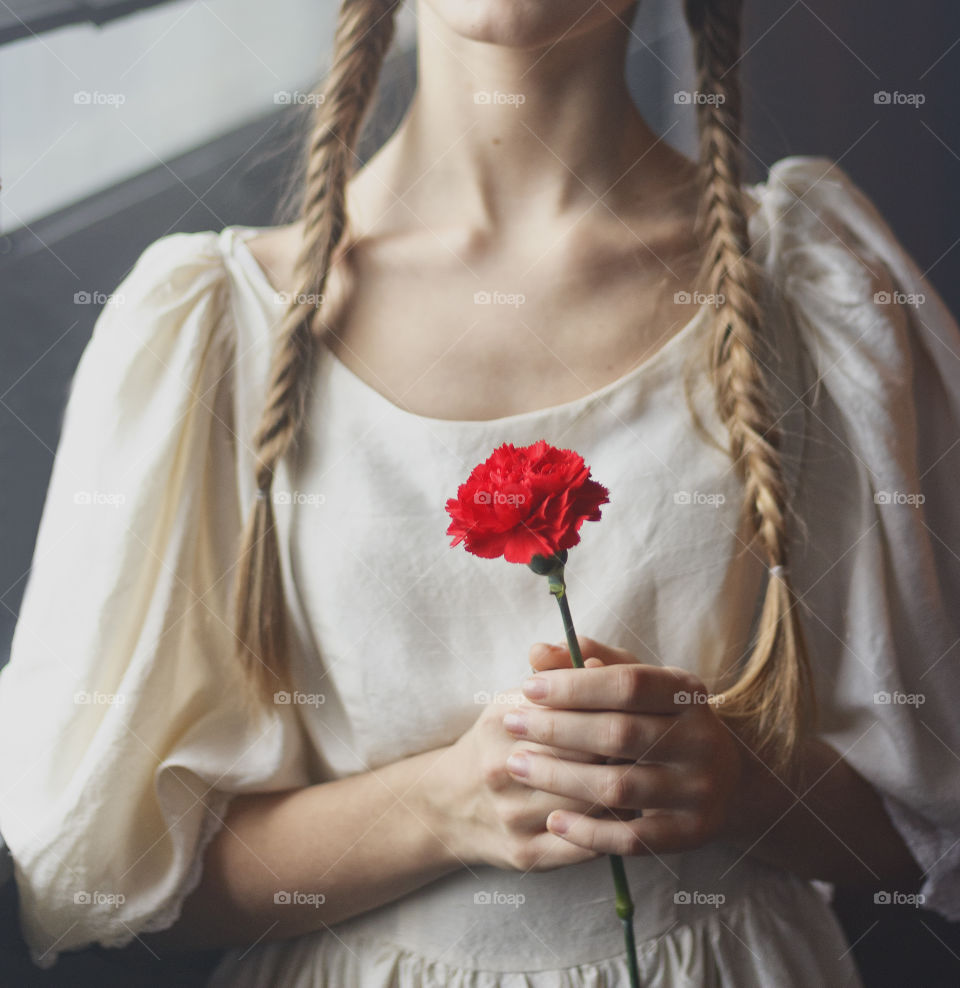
column 169, row 79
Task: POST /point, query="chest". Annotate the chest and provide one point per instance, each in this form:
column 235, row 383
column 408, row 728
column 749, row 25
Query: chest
column 455, row 341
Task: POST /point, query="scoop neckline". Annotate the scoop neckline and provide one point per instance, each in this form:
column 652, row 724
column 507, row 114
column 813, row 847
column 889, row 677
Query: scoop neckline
column 239, row 234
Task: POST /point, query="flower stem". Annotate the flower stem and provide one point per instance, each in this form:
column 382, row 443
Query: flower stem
column 624, row 904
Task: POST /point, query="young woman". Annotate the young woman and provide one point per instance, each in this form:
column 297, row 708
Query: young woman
column 256, row 701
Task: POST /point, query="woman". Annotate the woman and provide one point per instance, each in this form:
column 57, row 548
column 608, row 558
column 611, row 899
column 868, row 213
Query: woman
column 283, row 413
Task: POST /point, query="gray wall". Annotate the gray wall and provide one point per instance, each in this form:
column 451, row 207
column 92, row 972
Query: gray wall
column 811, row 72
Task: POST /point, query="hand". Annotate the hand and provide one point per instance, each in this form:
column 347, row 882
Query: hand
column 488, row 817
column 668, row 753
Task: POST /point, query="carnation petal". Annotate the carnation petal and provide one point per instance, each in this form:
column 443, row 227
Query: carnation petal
column 524, row 501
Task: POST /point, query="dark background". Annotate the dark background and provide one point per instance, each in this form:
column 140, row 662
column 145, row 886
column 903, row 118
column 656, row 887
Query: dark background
column 810, row 72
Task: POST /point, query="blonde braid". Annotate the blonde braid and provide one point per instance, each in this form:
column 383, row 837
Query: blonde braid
column 771, row 699
column 364, row 32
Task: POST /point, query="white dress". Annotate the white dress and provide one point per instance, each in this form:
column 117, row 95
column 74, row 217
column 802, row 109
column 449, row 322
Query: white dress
column 121, row 738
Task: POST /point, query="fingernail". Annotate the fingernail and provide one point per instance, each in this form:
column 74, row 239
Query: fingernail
column 518, row 764
column 515, row 723
column 535, row 688
column 557, row 824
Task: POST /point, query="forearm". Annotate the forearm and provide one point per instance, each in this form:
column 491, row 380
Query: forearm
column 352, row 844
column 826, row 823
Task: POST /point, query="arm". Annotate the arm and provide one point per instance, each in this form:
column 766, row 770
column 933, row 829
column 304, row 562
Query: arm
column 367, row 840
column 828, row 823
column 359, row 842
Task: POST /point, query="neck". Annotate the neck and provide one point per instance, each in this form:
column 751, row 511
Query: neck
column 514, row 134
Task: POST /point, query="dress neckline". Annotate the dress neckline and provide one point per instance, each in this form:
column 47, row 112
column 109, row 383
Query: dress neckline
column 236, row 236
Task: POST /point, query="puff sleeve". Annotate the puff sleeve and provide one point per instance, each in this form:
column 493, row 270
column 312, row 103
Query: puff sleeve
column 877, row 559
column 123, row 736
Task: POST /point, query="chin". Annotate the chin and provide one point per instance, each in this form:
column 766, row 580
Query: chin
column 527, row 23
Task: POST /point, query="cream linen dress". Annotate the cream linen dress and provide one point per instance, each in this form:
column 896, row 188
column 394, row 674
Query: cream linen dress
column 122, row 740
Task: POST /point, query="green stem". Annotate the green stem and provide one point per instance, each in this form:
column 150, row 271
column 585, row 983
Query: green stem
column 572, row 643
column 624, row 904
column 625, row 912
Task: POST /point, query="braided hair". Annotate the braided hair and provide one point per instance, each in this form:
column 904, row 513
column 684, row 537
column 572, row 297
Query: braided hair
column 769, row 700
column 365, row 29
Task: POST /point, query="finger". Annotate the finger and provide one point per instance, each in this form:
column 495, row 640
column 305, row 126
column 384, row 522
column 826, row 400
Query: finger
column 533, row 807
column 609, row 655
column 590, row 663
column 572, row 754
column 548, row 851
column 567, row 753
column 622, row 786
column 543, row 656
column 557, row 656
column 654, row 833
column 630, row 736
column 629, row 687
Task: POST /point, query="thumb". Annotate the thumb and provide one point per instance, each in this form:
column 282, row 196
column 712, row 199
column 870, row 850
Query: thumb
column 544, row 656
column 557, row 656
column 596, row 653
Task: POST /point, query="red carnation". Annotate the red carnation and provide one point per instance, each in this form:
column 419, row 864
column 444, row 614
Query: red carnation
column 527, row 505
column 524, row 502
